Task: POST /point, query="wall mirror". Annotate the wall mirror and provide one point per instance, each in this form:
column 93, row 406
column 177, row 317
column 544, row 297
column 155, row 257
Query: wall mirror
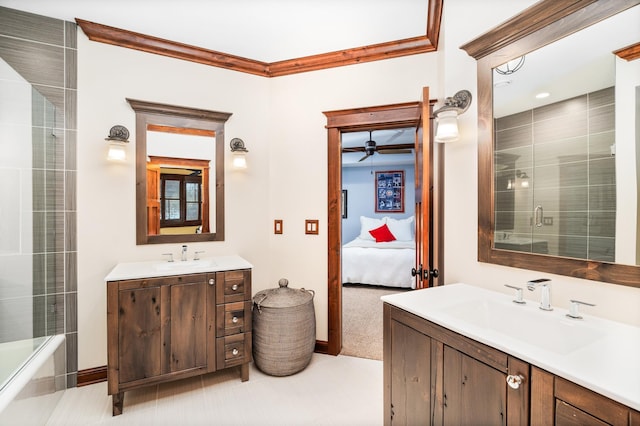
column 558, row 176
column 179, row 173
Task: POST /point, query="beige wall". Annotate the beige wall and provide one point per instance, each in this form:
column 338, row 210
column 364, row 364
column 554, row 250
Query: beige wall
column 281, row 122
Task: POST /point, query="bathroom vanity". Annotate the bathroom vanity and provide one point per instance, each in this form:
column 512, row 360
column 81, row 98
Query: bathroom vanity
column 460, row 355
column 171, row 320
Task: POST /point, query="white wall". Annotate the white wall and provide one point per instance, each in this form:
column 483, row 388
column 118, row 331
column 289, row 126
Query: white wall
column 281, row 122
column 459, row 70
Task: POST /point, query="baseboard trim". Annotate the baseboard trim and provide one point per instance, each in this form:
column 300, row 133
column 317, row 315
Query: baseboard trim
column 322, row 347
column 92, row 375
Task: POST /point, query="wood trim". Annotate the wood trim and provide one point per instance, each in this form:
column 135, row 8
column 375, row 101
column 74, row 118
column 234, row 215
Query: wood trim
column 322, row 347
column 375, row 52
column 349, row 120
column 577, row 268
column 91, row 376
column 629, row 53
column 523, row 24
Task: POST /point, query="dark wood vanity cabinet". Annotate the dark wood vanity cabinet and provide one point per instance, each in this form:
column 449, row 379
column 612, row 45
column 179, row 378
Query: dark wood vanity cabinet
column 435, row 376
column 564, row 403
column 167, row 328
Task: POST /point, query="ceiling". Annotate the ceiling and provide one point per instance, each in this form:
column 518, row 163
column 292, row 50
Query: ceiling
column 382, row 138
column 263, row 30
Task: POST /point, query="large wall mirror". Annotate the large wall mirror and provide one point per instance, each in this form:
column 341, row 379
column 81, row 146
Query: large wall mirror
column 559, row 148
column 179, row 173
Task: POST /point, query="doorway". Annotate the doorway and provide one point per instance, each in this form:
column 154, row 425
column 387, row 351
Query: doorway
column 360, row 119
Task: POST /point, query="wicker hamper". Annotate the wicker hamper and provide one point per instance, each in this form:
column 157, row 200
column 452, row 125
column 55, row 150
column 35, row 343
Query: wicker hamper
column 284, row 329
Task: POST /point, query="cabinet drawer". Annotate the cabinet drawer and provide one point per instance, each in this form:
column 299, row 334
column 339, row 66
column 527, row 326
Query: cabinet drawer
column 233, row 318
column 233, row 286
column 233, row 350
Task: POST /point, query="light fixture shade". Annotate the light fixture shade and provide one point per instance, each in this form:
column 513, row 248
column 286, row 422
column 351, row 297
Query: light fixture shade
column 239, row 160
column 118, row 138
column 117, row 151
column 238, row 151
column 447, row 126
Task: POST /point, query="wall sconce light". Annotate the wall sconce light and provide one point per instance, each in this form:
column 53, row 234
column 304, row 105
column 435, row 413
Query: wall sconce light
column 511, row 66
column 524, row 179
column 447, row 116
column 239, row 151
column 118, row 138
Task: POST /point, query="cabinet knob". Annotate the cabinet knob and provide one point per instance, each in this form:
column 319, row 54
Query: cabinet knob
column 212, row 281
column 234, row 351
column 515, row 380
column 234, row 320
column 234, row 287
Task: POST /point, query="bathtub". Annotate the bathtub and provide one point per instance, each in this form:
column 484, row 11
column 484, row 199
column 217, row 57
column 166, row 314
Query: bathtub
column 30, row 392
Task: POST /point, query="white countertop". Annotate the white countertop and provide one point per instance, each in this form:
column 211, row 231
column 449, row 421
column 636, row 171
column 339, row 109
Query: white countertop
column 157, row 268
column 596, row 353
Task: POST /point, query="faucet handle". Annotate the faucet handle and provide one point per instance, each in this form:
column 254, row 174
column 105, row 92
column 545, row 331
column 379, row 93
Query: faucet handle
column 170, row 256
column 518, row 298
column 196, row 255
column 573, row 308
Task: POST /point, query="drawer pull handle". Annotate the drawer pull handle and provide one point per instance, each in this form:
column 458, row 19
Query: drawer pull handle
column 234, row 320
column 234, row 352
column 211, row 281
column 234, row 287
column 515, row 380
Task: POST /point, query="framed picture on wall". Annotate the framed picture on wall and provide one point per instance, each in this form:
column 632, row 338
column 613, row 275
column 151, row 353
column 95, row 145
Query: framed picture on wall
column 344, row 204
column 390, row 191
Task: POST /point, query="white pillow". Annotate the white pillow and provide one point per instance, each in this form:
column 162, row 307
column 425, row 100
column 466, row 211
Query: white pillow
column 367, row 224
column 402, row 229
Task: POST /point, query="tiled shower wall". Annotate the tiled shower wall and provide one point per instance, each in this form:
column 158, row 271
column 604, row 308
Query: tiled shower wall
column 567, row 151
column 38, row 268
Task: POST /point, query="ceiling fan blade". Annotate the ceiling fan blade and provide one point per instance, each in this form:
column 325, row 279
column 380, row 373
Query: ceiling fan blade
column 353, row 149
column 394, row 151
column 363, row 158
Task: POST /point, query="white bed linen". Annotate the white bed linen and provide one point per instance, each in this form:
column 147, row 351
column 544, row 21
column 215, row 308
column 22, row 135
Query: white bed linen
column 388, row 264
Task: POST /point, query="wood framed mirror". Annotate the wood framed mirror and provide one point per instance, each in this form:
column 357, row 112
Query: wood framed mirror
column 179, row 173
column 535, row 28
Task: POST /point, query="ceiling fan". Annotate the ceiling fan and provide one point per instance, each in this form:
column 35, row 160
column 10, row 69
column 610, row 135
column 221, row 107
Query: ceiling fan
column 370, row 147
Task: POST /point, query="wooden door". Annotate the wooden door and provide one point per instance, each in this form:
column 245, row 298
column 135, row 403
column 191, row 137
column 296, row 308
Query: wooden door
column 188, row 326
column 474, row 393
column 423, row 196
column 139, row 333
column 153, row 199
column 410, row 402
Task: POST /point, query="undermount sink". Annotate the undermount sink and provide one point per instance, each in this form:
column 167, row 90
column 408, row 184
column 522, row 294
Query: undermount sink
column 184, row 265
column 535, row 327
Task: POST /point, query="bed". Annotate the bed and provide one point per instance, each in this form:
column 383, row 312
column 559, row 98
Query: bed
column 383, row 254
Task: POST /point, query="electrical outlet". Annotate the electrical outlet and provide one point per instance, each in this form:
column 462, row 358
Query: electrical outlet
column 547, row 221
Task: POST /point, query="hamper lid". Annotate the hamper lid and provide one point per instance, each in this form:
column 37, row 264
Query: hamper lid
column 283, row 296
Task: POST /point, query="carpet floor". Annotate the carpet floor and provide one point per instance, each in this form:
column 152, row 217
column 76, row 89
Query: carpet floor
column 362, row 320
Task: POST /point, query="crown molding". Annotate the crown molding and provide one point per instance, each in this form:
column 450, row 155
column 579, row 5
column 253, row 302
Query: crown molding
column 375, row 52
column 629, row 53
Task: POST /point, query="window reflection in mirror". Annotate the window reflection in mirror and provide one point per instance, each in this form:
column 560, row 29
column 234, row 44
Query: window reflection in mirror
column 564, row 168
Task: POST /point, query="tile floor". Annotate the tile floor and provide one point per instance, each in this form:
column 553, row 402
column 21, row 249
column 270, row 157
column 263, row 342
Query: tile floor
column 332, row 390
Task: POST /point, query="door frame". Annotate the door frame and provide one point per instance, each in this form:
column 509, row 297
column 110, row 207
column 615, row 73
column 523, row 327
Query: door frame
column 349, row 120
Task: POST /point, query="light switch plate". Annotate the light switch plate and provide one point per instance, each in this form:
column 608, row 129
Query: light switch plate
column 311, row 226
column 277, row 226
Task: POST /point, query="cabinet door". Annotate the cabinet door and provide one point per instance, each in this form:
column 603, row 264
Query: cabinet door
column 188, row 326
column 474, row 393
column 410, row 376
column 139, row 334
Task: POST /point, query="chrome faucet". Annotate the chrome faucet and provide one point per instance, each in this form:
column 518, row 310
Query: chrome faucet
column 545, row 297
column 184, row 253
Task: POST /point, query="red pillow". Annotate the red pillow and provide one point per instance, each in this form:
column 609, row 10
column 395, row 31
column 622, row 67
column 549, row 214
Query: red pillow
column 382, row 234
